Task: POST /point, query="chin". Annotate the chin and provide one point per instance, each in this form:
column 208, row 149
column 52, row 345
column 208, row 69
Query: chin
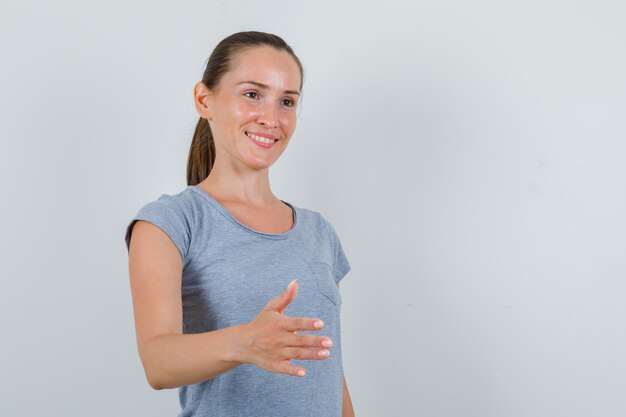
column 260, row 164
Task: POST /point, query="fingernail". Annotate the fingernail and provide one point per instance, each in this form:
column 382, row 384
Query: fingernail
column 301, row 372
column 327, row 343
column 319, row 324
column 324, row 352
column 291, row 283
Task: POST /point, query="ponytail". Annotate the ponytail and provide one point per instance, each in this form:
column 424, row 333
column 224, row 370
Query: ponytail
column 201, row 153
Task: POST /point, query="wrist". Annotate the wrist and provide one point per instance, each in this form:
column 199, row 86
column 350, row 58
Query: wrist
column 237, row 352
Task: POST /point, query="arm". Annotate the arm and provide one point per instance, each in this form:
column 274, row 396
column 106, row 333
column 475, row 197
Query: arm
column 346, row 410
column 170, row 358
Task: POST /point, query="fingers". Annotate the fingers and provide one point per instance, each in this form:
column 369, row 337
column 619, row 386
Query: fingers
column 280, row 302
column 284, row 364
column 308, row 354
column 286, row 367
column 294, row 324
column 271, row 340
column 289, row 369
column 308, row 341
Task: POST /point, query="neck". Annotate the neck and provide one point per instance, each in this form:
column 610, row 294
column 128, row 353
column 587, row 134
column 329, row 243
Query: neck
column 228, row 182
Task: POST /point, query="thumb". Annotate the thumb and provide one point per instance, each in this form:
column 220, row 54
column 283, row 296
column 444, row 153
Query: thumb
column 280, row 302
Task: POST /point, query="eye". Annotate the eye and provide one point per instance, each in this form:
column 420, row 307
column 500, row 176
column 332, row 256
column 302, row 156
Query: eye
column 287, row 102
column 251, row 94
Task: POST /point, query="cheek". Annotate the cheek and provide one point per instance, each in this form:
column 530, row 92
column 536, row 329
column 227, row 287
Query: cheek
column 237, row 112
column 288, row 121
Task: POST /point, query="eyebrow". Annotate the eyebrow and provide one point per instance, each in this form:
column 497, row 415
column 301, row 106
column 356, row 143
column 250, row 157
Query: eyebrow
column 260, row 85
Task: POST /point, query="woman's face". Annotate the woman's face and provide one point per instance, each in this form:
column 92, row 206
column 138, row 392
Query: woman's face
column 252, row 111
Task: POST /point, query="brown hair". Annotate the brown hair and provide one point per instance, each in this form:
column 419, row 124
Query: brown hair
column 202, row 151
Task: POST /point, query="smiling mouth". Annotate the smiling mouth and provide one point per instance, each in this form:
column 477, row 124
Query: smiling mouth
column 261, row 139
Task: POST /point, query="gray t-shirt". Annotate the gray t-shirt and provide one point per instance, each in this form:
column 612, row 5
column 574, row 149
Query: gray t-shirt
column 230, row 272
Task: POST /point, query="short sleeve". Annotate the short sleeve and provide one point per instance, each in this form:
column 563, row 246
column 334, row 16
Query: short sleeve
column 167, row 214
column 341, row 265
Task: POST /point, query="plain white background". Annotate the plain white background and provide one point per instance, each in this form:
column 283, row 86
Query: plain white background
column 471, row 156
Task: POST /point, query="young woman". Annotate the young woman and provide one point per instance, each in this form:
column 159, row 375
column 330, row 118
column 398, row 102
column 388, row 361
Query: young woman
column 235, row 292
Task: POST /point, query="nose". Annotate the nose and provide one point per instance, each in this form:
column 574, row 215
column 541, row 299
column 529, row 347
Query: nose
column 268, row 116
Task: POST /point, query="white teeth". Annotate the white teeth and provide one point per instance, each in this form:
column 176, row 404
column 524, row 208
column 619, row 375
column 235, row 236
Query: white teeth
column 259, row 138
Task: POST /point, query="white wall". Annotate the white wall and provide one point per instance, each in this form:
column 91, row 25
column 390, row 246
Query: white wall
column 471, row 156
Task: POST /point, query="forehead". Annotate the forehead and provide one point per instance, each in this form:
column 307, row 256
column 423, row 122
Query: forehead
column 275, row 68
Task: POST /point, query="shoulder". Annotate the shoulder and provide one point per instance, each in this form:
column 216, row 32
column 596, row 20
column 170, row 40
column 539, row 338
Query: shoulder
column 317, row 220
column 180, row 207
column 309, row 218
column 179, row 202
column 310, row 215
column 335, row 255
column 173, row 213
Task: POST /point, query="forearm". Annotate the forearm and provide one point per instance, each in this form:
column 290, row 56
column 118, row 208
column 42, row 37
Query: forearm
column 174, row 360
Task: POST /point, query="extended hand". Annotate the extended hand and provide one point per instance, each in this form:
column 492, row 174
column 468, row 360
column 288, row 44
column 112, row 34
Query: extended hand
column 270, row 340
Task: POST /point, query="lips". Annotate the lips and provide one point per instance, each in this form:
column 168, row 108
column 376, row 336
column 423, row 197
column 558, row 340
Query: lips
column 261, row 139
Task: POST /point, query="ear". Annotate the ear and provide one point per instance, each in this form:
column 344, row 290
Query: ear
column 201, row 99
